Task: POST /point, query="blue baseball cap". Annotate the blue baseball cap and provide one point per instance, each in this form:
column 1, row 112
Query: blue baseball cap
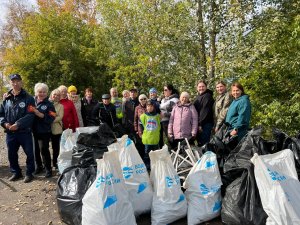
column 153, row 90
column 15, row 76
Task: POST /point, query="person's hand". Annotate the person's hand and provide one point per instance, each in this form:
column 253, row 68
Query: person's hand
column 7, row 126
column 13, row 127
column 5, row 95
column 31, row 108
column 233, row 132
column 200, row 129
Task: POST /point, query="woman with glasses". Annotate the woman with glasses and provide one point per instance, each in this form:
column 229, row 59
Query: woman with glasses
column 171, row 97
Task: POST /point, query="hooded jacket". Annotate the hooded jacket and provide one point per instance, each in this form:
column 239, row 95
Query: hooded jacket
column 167, row 105
column 183, row 122
column 221, row 106
column 204, row 105
column 238, row 115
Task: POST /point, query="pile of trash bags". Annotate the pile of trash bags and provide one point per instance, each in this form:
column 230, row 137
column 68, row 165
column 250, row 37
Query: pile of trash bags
column 104, row 180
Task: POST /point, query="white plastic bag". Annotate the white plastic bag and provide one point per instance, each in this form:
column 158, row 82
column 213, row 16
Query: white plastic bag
column 135, row 175
column 169, row 203
column 67, row 142
column 106, row 202
column 86, row 130
column 278, row 186
column 203, row 193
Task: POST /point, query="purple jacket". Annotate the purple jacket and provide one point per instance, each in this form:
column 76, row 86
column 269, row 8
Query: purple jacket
column 183, row 122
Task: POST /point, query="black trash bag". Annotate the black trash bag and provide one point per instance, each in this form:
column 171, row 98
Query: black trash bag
column 295, row 147
column 221, row 143
column 252, row 143
column 242, row 204
column 286, row 142
column 71, row 188
column 119, row 130
column 85, row 155
column 103, row 137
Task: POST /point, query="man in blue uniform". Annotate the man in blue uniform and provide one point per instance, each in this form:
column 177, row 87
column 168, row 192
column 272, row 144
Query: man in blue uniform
column 16, row 117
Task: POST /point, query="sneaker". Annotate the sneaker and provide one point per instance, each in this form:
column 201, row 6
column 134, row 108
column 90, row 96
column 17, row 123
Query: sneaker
column 38, row 170
column 28, row 178
column 48, row 174
column 15, row 177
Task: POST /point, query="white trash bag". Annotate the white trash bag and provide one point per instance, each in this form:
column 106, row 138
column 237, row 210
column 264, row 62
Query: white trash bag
column 67, row 142
column 106, row 202
column 169, row 203
column 203, row 190
column 278, row 186
column 135, row 175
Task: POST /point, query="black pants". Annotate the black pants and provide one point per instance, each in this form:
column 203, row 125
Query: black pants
column 41, row 142
column 164, row 126
column 55, row 139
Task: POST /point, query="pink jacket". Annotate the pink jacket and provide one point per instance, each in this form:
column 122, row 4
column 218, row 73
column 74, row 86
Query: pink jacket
column 183, row 122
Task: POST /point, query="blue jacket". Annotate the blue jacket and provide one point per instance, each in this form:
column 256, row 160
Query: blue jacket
column 17, row 109
column 238, row 115
column 43, row 125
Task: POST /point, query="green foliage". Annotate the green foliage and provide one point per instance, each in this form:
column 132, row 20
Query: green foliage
column 153, row 43
column 57, row 48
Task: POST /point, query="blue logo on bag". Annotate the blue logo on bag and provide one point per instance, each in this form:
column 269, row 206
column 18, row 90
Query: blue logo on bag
column 210, row 164
column 108, row 180
column 276, row 176
column 217, row 206
column 181, row 198
column 128, row 142
column 110, row 201
column 169, row 181
column 172, row 181
column 142, row 187
column 205, row 190
column 127, row 172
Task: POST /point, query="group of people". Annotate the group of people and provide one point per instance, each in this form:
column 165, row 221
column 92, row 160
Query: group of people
column 146, row 118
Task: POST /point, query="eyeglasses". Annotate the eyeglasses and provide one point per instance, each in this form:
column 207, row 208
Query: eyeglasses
column 143, row 99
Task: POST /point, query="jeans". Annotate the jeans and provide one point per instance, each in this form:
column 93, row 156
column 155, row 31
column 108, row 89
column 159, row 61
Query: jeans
column 14, row 141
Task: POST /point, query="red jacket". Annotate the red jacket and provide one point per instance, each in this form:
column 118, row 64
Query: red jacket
column 70, row 118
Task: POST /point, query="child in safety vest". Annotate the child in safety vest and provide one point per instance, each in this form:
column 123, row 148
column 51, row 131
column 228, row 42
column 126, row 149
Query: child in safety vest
column 150, row 122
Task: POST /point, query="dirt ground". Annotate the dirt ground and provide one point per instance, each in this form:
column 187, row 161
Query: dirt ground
column 35, row 203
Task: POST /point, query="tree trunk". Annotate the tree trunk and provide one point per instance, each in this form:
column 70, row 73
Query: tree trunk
column 212, row 40
column 203, row 67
